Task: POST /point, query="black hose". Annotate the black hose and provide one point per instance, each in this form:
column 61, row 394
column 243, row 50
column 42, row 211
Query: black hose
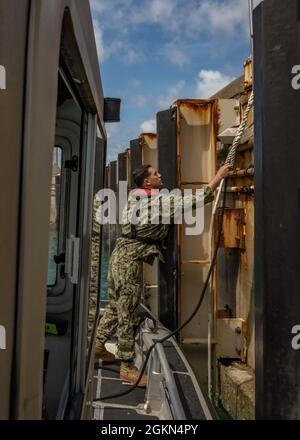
column 130, row 389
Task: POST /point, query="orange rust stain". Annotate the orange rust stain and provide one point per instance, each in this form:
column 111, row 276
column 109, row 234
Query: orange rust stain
column 151, row 136
column 234, row 228
column 248, row 73
column 217, row 116
column 198, row 111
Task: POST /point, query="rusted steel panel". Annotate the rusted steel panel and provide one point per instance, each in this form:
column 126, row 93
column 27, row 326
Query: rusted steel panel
column 197, row 127
column 196, row 148
column 234, row 230
column 248, row 81
column 149, row 149
column 198, row 123
column 232, row 342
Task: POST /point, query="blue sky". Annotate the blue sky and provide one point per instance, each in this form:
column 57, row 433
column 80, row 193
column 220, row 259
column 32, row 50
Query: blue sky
column 152, row 52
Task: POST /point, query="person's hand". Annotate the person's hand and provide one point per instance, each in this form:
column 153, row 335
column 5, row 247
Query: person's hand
column 221, row 174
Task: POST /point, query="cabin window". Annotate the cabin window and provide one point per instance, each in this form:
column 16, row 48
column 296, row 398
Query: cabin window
column 55, row 203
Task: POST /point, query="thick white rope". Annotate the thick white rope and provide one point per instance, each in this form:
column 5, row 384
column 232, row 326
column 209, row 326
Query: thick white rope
column 232, row 153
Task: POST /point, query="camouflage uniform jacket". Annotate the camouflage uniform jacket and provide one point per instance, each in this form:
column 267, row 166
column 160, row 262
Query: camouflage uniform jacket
column 148, row 210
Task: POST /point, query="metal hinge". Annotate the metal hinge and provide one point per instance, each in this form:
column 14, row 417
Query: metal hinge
column 72, row 163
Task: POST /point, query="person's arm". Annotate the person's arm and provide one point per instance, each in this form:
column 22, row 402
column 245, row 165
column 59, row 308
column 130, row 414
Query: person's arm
column 221, row 174
column 178, row 202
column 208, row 197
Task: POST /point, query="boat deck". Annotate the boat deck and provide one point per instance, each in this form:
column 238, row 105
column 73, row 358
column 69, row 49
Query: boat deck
column 172, row 391
column 129, row 407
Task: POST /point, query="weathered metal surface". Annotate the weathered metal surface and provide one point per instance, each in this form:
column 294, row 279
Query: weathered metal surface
column 232, row 338
column 198, row 122
column 149, row 149
column 196, row 151
column 234, row 230
column 228, row 113
column 233, row 277
column 235, row 272
column 248, row 80
column 197, row 125
column 239, row 173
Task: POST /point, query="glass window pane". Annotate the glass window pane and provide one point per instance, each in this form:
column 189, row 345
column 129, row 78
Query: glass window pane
column 54, row 215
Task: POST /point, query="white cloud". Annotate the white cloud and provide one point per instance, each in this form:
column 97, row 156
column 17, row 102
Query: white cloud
column 155, row 11
column 210, row 82
column 112, row 16
column 132, row 56
column 99, row 40
column 172, row 95
column 149, row 126
column 136, row 82
column 229, row 17
column 201, row 20
column 140, row 101
column 119, row 136
column 105, row 51
column 161, row 10
column 175, row 54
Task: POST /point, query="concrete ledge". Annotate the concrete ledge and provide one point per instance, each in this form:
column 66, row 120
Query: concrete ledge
column 237, row 390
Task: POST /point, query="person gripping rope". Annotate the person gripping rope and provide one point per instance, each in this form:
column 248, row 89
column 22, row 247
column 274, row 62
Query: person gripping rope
column 141, row 241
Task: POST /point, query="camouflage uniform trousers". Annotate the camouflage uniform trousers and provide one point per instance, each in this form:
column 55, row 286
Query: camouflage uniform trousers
column 121, row 316
column 94, row 273
column 94, row 283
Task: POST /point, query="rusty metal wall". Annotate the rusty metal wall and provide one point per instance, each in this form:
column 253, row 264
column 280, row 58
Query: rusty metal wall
column 198, row 123
column 234, row 279
column 149, row 149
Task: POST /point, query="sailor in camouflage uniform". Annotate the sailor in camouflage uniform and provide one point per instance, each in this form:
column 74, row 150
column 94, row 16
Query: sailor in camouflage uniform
column 142, row 237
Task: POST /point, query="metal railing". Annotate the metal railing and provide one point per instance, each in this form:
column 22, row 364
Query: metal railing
column 169, row 383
